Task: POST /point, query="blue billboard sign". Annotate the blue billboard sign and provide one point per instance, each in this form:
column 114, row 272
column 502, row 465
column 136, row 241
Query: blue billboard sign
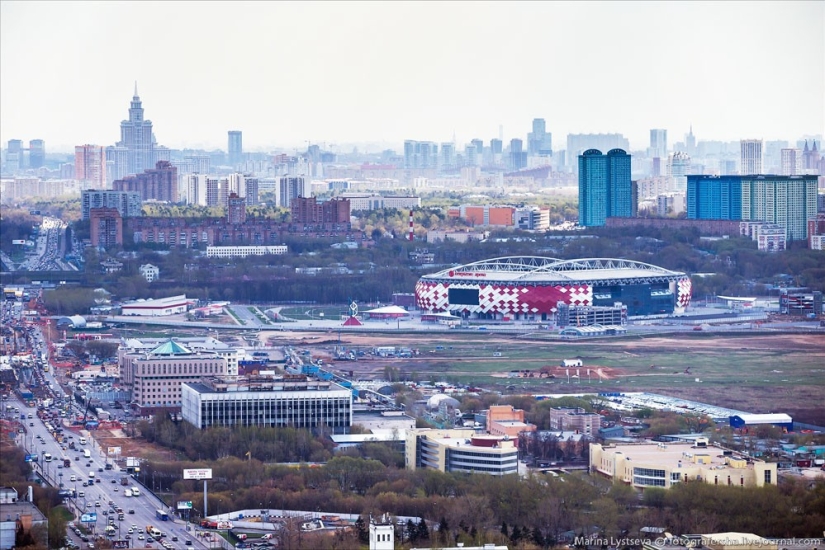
column 91, row 517
column 29, row 458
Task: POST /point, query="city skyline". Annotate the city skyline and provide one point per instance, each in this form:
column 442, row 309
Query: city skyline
column 356, row 71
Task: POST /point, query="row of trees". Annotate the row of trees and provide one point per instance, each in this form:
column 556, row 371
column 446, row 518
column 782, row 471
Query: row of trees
column 474, row 508
column 15, row 472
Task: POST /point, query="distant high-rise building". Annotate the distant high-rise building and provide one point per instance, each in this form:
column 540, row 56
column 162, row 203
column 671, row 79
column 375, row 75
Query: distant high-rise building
column 106, row 227
column 714, row 197
column 658, row 144
column 605, row 188
column 678, row 168
column 539, row 141
column 126, row 202
column 235, row 209
column 792, row 162
column 14, row 155
column 518, row 157
column 690, row 142
column 308, row 210
column 471, row 157
column 37, row 153
column 447, row 155
column 90, row 166
column 217, row 191
column 479, row 145
column 159, row 183
column 136, row 136
column 496, row 146
column 772, row 156
column 119, row 158
column 420, row 155
column 291, row 187
column 811, row 159
column 751, row 158
column 787, row 201
column 235, row 148
column 194, row 187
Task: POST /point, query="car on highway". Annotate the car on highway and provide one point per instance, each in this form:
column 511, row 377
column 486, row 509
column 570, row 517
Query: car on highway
column 141, row 537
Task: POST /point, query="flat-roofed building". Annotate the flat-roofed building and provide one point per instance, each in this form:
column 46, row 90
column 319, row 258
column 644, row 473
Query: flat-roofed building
column 156, row 376
column 289, row 401
column 506, row 420
column 157, row 307
column 461, row 450
column 575, row 420
column 195, row 343
column 667, row 464
column 244, row 251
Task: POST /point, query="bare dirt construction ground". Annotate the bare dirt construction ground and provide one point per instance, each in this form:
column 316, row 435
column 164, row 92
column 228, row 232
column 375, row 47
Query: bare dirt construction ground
column 755, row 372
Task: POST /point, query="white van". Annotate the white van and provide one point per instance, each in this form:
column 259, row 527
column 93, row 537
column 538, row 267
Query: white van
column 91, row 474
column 87, row 453
column 73, row 478
column 82, row 440
column 135, row 492
column 127, row 493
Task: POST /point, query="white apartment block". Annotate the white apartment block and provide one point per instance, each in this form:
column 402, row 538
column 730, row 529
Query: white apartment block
column 149, row 272
column 243, row 251
column 364, row 201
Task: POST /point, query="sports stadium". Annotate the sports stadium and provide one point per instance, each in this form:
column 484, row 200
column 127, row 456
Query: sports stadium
column 533, row 288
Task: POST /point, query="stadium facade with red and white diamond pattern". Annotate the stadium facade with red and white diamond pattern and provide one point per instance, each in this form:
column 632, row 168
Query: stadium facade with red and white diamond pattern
column 532, row 287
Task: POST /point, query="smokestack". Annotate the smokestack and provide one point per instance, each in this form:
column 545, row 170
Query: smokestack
column 411, row 225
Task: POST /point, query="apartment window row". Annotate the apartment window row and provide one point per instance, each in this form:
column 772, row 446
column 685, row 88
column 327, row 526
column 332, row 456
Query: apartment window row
column 180, row 368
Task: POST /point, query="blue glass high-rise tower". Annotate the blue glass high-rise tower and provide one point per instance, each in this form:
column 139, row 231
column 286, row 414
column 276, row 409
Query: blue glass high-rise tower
column 604, row 186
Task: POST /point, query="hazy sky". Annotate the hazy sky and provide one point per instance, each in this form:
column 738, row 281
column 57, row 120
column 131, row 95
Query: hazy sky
column 347, row 72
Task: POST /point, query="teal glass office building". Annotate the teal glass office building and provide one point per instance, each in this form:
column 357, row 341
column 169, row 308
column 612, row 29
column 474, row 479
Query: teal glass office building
column 604, row 186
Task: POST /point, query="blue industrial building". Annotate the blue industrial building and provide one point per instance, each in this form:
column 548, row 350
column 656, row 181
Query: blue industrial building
column 741, row 421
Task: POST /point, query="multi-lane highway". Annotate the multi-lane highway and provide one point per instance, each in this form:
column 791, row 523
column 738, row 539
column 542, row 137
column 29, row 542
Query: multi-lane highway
column 97, row 489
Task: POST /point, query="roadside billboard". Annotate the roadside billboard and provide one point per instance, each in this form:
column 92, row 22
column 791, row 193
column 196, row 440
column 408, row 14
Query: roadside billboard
column 91, row 517
column 184, row 505
column 198, row 473
column 113, row 451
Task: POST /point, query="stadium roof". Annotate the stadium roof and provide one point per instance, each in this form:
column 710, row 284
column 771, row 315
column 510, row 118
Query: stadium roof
column 525, row 269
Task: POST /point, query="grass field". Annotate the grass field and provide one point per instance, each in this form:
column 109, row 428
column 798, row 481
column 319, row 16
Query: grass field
column 752, row 372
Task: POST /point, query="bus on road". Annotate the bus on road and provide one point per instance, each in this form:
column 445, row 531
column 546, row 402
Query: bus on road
column 161, row 515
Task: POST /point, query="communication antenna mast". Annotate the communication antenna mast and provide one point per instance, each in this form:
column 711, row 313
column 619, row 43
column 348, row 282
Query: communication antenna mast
column 411, row 236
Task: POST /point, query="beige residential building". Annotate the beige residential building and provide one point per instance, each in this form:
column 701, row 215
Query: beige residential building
column 505, row 420
column 667, row 464
column 155, row 377
column 461, row 450
column 575, row 420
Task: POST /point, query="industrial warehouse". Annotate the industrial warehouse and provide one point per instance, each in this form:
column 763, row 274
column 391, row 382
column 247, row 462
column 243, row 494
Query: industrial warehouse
column 532, row 288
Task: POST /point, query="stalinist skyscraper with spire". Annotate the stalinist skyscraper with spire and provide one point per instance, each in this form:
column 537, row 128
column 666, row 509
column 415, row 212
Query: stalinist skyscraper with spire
column 137, row 139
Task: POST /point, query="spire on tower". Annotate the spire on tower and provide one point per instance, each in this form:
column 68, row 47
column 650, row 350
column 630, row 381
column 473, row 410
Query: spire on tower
column 806, row 146
column 136, row 94
column 814, row 149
